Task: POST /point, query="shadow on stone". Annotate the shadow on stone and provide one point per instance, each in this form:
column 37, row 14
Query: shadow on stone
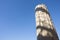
column 54, row 37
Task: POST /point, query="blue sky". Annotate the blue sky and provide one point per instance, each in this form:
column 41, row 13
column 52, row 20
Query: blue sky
column 17, row 18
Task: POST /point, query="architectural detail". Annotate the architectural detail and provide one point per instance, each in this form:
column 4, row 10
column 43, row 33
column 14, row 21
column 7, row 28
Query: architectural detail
column 44, row 26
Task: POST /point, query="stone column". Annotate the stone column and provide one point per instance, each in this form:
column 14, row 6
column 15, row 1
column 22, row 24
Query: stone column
column 44, row 26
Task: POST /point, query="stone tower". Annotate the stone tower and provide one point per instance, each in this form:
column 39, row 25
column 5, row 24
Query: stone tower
column 44, row 26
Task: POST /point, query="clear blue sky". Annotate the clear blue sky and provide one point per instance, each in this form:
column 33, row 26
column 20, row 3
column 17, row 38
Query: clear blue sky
column 17, row 18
